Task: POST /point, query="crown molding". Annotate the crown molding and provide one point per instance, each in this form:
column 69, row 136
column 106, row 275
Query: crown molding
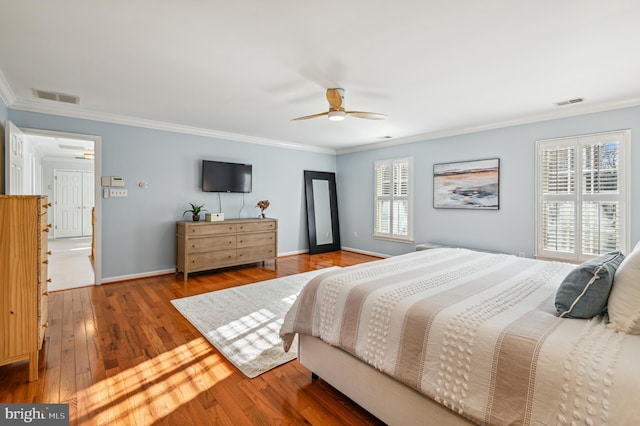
column 566, row 111
column 6, row 94
column 76, row 112
column 12, row 102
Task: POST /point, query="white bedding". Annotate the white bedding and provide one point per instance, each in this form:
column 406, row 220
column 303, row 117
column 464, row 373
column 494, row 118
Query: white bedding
column 478, row 333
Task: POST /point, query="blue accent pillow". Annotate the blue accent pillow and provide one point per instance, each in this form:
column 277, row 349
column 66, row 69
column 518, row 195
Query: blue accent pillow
column 584, row 292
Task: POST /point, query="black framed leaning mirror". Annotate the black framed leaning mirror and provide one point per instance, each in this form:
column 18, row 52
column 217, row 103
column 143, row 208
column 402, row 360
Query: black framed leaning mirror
column 322, row 211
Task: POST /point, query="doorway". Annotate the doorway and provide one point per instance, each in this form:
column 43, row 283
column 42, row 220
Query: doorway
column 63, row 166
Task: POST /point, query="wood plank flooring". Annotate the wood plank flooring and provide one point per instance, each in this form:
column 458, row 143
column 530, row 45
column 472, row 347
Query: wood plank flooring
column 121, row 354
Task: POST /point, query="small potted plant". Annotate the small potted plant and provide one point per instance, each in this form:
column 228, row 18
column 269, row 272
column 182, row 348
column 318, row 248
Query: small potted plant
column 195, row 211
column 262, row 204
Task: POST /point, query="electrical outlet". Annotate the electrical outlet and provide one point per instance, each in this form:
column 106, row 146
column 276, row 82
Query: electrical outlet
column 521, row 254
column 355, row 234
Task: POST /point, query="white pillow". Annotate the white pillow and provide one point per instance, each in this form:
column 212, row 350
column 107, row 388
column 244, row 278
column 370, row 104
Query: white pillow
column 624, row 300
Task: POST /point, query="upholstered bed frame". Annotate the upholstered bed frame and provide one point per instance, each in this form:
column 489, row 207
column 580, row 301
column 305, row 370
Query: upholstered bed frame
column 389, row 400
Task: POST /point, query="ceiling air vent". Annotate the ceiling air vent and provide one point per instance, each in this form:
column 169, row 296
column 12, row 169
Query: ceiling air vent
column 76, row 147
column 57, row 97
column 570, row 101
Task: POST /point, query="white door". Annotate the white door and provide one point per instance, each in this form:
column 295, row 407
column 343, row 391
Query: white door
column 15, row 160
column 88, row 199
column 68, row 203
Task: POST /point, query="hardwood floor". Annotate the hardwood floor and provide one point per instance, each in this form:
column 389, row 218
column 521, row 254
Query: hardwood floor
column 121, row 354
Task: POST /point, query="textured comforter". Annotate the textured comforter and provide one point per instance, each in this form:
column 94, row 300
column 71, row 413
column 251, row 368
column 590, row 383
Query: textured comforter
column 478, row 333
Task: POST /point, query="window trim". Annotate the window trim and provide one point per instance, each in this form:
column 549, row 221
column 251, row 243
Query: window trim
column 390, row 236
column 624, row 137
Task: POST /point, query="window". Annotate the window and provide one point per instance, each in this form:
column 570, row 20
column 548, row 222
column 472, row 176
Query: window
column 582, row 196
column 394, row 199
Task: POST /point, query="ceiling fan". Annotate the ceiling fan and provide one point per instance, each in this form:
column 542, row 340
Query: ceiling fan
column 337, row 112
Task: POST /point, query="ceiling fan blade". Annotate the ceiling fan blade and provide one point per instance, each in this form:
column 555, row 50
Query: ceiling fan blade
column 367, row 115
column 306, row 117
column 335, row 97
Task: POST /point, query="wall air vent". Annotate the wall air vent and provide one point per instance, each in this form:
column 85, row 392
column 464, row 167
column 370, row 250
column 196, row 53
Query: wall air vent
column 56, row 96
column 76, row 147
column 570, row 101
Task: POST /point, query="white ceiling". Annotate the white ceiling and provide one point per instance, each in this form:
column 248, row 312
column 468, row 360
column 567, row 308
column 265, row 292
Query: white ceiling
column 242, row 70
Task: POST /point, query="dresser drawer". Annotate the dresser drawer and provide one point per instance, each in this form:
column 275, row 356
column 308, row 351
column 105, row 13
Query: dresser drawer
column 250, row 254
column 199, row 245
column 267, row 225
column 210, row 260
column 259, row 239
column 210, row 228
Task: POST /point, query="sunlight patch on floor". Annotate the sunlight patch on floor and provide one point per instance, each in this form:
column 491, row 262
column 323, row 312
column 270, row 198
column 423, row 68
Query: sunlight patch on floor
column 153, row 388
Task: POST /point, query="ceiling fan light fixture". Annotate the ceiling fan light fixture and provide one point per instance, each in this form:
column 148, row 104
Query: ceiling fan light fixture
column 337, row 115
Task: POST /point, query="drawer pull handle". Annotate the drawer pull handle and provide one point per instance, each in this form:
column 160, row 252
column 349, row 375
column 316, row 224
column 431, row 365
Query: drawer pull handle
column 45, row 261
column 49, row 252
column 49, row 225
column 45, row 230
column 193, row 246
column 46, row 206
column 46, row 293
column 46, row 324
column 49, row 280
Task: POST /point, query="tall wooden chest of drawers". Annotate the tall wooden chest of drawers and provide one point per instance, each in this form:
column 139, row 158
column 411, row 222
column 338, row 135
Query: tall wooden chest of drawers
column 201, row 246
column 23, row 278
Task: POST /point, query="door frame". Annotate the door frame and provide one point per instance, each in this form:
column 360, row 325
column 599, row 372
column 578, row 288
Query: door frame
column 97, row 169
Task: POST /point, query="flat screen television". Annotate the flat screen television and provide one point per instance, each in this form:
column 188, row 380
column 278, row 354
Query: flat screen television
column 218, row 176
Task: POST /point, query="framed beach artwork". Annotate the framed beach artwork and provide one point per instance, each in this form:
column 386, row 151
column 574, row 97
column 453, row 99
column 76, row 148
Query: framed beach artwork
column 467, row 185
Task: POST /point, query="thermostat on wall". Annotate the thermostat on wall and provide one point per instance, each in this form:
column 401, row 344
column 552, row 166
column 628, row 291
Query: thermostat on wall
column 117, row 181
column 112, row 181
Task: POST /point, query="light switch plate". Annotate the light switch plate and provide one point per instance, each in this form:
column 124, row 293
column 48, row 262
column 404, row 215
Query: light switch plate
column 118, row 192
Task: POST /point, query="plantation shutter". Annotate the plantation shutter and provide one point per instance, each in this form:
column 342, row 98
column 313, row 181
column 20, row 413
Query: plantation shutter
column 393, row 199
column 558, row 206
column 581, row 196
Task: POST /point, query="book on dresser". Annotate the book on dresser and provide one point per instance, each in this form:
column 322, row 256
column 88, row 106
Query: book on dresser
column 201, row 246
column 24, row 231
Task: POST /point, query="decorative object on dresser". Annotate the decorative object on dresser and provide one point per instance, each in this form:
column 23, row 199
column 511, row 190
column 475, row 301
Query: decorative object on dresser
column 195, row 211
column 23, row 278
column 209, row 245
column 263, row 205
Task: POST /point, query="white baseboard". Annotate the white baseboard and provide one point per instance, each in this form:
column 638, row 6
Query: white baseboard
column 370, row 253
column 140, row 275
column 292, row 253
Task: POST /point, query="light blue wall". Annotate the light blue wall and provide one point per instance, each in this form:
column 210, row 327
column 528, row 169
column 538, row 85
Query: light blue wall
column 138, row 232
column 511, row 229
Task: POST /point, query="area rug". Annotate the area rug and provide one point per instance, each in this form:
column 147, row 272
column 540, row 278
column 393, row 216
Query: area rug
column 244, row 322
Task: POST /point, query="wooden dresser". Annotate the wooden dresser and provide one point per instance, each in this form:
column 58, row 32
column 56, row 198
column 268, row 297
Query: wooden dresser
column 23, row 278
column 208, row 245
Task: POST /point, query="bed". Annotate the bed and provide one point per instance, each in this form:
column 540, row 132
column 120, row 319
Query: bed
column 463, row 337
